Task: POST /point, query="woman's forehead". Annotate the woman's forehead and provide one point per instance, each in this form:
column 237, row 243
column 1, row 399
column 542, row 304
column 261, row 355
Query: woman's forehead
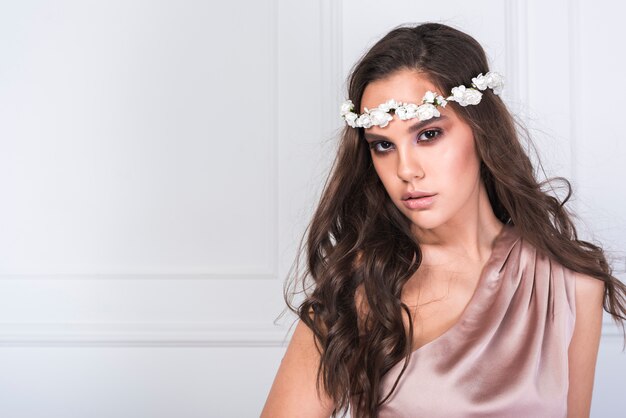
column 406, row 86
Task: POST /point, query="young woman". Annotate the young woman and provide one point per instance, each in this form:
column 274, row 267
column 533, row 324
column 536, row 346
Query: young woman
column 446, row 281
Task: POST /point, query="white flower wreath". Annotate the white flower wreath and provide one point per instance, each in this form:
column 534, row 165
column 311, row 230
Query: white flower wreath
column 381, row 115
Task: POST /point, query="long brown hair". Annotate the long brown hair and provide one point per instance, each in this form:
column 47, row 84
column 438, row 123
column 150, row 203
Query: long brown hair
column 358, row 238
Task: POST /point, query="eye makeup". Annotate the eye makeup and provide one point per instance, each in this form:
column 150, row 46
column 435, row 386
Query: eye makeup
column 429, row 135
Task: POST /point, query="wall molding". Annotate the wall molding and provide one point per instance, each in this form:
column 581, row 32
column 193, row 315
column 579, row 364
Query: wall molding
column 273, row 230
column 232, row 272
column 189, row 334
column 575, row 76
column 516, row 18
column 331, row 59
column 153, row 334
column 140, row 276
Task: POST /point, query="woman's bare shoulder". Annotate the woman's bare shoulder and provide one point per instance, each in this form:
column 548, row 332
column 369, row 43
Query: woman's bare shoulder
column 583, row 348
column 294, row 391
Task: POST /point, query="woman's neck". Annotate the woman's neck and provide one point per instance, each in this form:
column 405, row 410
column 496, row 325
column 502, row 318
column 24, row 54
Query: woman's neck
column 469, row 236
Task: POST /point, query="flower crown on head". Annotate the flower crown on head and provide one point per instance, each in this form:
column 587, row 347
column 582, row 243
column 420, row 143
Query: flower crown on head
column 381, row 116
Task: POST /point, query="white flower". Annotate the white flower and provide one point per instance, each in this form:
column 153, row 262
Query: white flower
column 457, row 93
column 388, row 105
column 465, row 96
column 400, row 112
column 490, row 80
column 407, row 111
column 427, row 111
column 382, row 115
column 351, row 118
column 380, row 118
column 346, row 107
column 429, row 97
column 364, row 121
column 495, row 81
column 411, row 109
column 472, row 96
column 480, row 81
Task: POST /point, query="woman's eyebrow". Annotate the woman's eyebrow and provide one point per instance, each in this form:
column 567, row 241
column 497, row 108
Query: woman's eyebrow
column 415, row 127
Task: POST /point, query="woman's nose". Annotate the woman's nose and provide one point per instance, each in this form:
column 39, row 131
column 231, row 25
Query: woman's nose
column 409, row 165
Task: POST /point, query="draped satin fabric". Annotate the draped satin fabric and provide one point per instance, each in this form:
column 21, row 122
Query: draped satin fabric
column 507, row 355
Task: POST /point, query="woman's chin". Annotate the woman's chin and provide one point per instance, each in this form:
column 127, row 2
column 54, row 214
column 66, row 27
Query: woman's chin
column 425, row 222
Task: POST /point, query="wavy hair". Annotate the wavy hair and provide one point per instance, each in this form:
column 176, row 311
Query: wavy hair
column 358, row 238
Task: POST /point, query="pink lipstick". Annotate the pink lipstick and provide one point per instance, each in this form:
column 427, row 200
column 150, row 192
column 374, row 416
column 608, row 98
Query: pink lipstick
column 418, row 200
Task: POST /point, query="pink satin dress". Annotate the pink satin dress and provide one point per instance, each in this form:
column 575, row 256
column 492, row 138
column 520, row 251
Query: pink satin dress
column 507, row 355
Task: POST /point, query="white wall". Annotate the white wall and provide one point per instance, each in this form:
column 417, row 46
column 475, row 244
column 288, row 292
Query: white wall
column 160, row 160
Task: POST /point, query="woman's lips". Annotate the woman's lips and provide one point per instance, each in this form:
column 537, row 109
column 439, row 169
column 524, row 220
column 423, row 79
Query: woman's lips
column 419, row 203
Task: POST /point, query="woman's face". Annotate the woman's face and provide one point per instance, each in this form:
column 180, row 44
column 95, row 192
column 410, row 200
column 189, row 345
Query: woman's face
column 437, row 156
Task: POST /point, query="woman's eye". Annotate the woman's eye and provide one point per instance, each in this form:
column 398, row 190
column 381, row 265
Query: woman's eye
column 384, row 147
column 380, row 146
column 429, row 135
